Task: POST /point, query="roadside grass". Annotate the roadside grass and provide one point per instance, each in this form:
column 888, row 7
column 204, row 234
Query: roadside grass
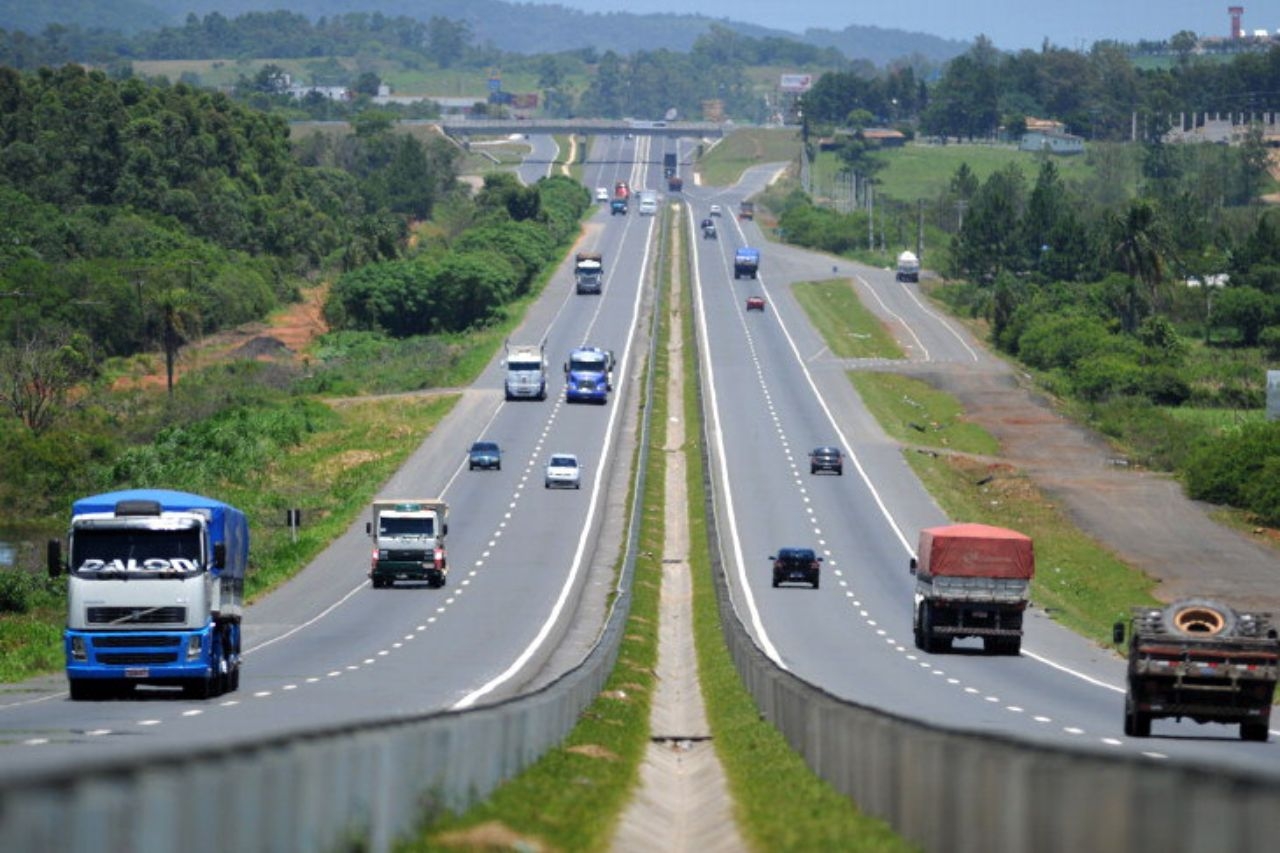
column 724, row 164
column 780, row 804
column 850, row 330
column 1078, row 582
column 331, row 478
column 924, row 171
column 572, row 797
column 913, row 412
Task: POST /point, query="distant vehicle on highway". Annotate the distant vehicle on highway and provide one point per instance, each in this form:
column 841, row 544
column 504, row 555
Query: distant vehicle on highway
column 485, row 455
column 563, row 472
column 796, row 565
column 708, row 229
column 826, row 459
column 602, row 194
column 715, row 210
column 755, row 303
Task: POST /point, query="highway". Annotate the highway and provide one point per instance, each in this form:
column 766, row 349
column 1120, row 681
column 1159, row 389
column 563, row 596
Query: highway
column 773, row 394
column 327, row 649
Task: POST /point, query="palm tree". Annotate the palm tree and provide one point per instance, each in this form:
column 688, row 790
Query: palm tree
column 1139, row 247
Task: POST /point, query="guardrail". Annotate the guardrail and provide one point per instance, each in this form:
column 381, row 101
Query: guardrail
column 352, row 786
column 948, row 790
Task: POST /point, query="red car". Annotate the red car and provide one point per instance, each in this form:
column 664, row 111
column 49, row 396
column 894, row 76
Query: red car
column 755, row 303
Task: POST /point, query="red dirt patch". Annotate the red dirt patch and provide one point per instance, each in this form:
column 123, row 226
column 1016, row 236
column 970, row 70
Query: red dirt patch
column 283, row 337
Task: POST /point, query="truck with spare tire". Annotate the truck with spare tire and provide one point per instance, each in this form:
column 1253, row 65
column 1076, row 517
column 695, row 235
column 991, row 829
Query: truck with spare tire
column 1200, row 659
column 972, row 580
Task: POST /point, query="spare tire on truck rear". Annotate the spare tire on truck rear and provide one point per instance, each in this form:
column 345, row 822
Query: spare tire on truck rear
column 1199, row 617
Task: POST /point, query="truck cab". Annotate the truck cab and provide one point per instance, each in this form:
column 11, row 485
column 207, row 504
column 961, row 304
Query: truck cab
column 588, row 375
column 408, row 541
column 526, row 372
column 908, row 267
column 746, row 262
column 588, row 272
column 618, row 207
column 155, row 581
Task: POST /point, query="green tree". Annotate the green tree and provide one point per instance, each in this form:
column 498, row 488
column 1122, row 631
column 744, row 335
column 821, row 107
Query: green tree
column 1139, row 247
column 38, row 373
column 1245, row 309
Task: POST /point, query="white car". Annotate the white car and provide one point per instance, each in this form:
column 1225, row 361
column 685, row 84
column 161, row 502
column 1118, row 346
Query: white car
column 563, row 472
column 602, row 194
column 716, row 211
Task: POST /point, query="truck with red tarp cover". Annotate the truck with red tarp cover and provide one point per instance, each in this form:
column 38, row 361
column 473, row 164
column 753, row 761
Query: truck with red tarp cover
column 972, row 580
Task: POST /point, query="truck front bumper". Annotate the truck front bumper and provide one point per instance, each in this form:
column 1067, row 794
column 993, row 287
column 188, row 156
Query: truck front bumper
column 147, row 657
column 388, row 572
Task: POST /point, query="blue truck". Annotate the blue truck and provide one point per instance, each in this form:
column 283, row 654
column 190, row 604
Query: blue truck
column 746, row 263
column 588, row 375
column 155, row 589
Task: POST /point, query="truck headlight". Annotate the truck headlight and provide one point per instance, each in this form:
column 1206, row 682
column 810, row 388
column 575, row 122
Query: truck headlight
column 78, row 651
column 194, row 647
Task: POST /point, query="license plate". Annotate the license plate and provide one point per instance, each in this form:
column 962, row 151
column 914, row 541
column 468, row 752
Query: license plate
column 137, row 672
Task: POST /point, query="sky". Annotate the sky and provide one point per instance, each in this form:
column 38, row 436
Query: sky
column 1010, row 24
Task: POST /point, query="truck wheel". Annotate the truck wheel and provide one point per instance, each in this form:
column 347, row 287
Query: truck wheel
column 233, row 679
column 1256, row 732
column 83, row 690
column 775, row 581
column 1199, row 617
column 931, row 643
column 198, row 688
column 1136, row 723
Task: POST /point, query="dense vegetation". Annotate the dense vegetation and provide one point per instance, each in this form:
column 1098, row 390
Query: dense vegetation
column 140, row 217
column 1097, row 93
column 605, row 82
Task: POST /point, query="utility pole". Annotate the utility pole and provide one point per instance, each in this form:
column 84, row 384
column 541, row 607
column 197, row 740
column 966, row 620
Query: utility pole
column 871, row 218
column 920, row 229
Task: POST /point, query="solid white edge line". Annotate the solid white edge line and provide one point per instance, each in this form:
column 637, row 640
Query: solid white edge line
column 717, row 434
column 576, row 567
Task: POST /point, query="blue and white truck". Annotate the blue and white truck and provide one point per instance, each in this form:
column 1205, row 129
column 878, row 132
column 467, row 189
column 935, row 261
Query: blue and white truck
column 746, row 263
column 155, row 589
column 588, row 375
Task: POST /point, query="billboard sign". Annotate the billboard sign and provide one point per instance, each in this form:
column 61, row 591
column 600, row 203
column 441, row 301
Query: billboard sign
column 796, row 82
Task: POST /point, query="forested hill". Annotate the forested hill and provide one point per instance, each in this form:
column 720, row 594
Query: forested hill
column 514, row 27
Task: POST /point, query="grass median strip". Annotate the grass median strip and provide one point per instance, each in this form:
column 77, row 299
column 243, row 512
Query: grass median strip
column 1078, row 581
column 850, row 330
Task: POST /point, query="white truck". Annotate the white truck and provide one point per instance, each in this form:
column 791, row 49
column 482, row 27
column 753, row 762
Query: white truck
column 408, row 541
column 526, row 371
column 588, row 272
column 908, row 267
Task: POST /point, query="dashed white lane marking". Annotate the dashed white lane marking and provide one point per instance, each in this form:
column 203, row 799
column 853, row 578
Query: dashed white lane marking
column 261, row 694
column 1073, row 730
column 193, row 712
column 148, row 722
column 35, row 741
column 101, row 732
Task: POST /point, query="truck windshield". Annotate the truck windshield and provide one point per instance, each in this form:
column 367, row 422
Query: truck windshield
column 522, row 366
column 407, row 527
column 587, row 364
column 111, row 552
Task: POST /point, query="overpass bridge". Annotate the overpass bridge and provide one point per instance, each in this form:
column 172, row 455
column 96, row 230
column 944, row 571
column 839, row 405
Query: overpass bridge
column 461, row 129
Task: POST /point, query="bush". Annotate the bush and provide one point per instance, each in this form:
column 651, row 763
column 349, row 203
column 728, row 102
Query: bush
column 22, row 592
column 1108, row 375
column 1262, row 494
column 1220, row 469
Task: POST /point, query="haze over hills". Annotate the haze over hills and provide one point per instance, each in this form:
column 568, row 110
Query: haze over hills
column 514, row 27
